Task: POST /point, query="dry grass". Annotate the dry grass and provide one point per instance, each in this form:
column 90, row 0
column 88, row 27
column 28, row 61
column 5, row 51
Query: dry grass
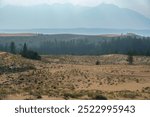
column 74, row 77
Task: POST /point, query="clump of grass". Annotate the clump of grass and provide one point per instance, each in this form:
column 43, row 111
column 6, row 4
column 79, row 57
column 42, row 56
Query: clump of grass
column 146, row 90
column 99, row 97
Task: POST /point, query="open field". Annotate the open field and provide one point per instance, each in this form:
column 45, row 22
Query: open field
column 16, row 34
column 74, row 77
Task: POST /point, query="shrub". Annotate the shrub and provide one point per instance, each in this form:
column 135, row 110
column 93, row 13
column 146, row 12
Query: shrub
column 99, row 97
column 97, row 63
column 130, row 58
column 31, row 55
column 39, row 96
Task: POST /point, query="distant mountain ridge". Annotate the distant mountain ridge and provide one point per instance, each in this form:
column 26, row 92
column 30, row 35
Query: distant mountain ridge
column 80, row 31
column 69, row 16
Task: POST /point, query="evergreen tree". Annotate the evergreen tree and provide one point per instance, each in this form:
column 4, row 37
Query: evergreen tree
column 25, row 49
column 130, row 58
column 12, row 48
column 29, row 53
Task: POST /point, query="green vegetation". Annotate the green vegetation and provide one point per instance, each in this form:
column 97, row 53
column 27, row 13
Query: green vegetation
column 12, row 48
column 78, row 44
column 29, row 53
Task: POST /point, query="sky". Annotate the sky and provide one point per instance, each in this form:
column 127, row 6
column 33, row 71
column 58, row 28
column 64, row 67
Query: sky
column 141, row 6
column 55, row 16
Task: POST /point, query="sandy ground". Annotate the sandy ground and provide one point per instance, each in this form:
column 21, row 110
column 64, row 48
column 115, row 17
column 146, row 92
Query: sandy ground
column 74, row 77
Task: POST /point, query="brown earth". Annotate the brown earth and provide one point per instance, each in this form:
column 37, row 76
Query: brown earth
column 16, row 34
column 74, row 77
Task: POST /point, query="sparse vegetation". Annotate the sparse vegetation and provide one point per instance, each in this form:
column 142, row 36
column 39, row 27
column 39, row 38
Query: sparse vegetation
column 74, row 77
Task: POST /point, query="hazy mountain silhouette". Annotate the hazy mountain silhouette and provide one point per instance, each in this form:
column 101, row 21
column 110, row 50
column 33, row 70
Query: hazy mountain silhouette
column 69, row 16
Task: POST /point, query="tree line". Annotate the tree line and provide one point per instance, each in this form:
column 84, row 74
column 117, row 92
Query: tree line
column 113, row 45
column 118, row 45
column 24, row 52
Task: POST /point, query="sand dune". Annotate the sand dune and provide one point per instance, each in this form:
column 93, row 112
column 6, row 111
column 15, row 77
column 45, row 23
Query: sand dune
column 74, row 77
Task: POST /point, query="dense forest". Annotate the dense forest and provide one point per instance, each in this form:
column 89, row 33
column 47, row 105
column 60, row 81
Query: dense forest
column 81, row 45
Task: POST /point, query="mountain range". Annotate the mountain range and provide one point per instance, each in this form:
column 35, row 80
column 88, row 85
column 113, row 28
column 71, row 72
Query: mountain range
column 69, row 16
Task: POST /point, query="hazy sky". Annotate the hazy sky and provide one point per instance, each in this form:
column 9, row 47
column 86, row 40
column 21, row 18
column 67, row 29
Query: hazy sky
column 58, row 16
column 142, row 6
